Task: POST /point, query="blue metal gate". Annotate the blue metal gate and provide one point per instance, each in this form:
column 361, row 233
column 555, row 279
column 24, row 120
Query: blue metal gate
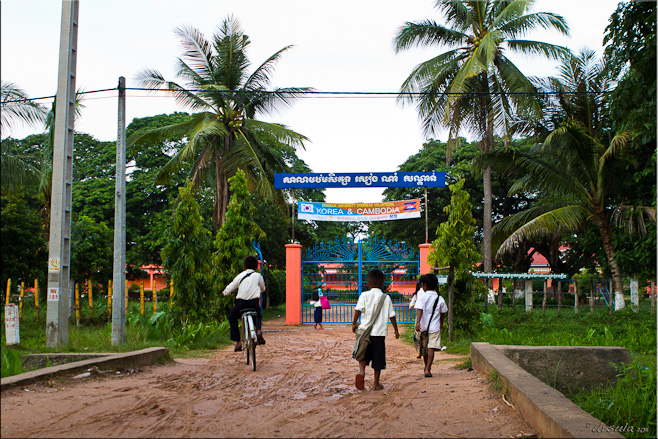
column 340, row 269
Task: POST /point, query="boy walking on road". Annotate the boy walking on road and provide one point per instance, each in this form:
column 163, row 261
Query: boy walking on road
column 366, row 306
column 431, row 309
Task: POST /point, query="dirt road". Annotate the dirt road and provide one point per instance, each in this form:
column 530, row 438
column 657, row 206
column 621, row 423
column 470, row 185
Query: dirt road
column 303, row 387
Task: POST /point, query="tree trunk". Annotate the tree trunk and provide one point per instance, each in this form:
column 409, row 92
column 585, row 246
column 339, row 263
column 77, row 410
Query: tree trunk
column 513, row 293
column 559, row 297
column 576, row 297
column 500, row 295
column 653, row 297
column 486, row 222
column 221, row 188
column 451, row 302
column 604, row 228
column 543, row 303
column 592, row 286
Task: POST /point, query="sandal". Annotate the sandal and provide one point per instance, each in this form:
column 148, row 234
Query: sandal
column 359, row 381
column 237, row 348
column 428, row 375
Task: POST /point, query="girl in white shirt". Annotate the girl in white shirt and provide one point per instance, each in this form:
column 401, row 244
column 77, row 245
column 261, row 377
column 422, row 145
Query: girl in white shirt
column 317, row 314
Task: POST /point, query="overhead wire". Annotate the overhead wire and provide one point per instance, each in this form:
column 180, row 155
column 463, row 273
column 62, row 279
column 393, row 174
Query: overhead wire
column 323, row 94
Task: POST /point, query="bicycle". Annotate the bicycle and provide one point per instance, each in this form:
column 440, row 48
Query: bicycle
column 248, row 336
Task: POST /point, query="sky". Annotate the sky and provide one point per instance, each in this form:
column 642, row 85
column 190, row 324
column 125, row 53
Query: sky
column 338, row 45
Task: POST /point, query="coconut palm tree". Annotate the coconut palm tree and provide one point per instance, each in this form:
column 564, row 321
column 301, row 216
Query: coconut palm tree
column 471, row 86
column 224, row 135
column 574, row 169
column 17, row 170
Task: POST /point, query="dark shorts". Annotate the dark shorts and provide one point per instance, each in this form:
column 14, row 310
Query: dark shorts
column 376, row 353
column 317, row 315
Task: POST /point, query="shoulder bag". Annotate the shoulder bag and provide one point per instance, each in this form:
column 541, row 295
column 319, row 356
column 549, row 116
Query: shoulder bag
column 362, row 339
column 425, row 335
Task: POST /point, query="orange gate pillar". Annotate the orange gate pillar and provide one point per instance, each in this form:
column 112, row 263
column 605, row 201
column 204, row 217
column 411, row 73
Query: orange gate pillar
column 293, row 284
column 424, row 267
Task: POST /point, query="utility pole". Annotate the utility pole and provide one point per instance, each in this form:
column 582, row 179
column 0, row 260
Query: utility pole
column 119, row 268
column 59, row 254
column 427, row 208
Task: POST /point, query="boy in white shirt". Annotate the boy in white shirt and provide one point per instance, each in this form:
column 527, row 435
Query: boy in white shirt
column 430, row 306
column 366, row 306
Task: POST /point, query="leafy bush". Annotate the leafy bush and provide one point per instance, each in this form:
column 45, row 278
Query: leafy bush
column 277, row 287
column 11, row 363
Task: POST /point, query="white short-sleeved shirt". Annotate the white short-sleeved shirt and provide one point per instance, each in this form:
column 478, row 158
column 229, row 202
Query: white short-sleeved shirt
column 367, row 303
column 426, row 303
column 248, row 289
column 416, row 298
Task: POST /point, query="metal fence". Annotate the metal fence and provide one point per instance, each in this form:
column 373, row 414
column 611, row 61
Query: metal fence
column 339, row 269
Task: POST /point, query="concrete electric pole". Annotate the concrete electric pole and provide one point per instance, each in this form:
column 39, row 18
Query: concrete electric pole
column 59, row 255
column 119, row 272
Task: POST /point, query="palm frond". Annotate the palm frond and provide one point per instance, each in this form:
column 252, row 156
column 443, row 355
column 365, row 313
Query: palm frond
column 522, row 24
column 538, row 48
column 565, row 219
column 197, row 50
column 17, row 109
column 632, row 217
column 427, row 33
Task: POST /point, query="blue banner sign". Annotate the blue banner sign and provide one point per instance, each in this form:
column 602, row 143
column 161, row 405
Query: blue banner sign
column 359, row 179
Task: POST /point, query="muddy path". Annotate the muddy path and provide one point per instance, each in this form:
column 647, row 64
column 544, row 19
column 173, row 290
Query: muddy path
column 303, row 387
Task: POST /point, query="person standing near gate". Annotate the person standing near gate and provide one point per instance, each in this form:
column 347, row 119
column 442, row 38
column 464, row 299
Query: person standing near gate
column 249, row 285
column 317, row 303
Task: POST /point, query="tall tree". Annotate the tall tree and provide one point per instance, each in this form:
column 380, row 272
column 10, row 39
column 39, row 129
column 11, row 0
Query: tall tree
column 454, row 246
column 186, row 257
column 225, row 135
column 234, row 241
column 471, row 85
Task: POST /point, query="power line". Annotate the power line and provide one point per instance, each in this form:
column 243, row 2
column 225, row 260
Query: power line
column 316, row 93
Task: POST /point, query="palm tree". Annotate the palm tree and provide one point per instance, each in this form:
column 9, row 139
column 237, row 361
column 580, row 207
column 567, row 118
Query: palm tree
column 577, row 172
column 574, row 169
column 472, row 85
column 225, row 134
column 17, row 170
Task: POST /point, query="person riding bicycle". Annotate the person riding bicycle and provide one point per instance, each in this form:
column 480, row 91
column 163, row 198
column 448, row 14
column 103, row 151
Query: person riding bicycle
column 249, row 285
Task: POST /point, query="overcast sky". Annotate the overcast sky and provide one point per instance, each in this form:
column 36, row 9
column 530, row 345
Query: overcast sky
column 339, row 45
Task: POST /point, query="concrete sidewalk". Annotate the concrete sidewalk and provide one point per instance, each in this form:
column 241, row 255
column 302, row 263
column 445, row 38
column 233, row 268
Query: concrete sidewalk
column 123, row 360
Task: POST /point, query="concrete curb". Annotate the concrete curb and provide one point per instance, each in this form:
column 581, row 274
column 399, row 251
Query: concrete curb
column 542, row 406
column 125, row 360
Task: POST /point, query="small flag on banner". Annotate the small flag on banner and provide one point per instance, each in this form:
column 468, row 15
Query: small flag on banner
column 307, row 208
column 409, row 205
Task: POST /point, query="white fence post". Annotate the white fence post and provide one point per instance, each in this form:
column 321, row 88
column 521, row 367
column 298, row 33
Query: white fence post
column 635, row 295
column 528, row 295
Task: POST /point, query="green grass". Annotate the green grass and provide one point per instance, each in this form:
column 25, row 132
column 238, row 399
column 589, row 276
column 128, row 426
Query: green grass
column 95, row 329
column 632, row 400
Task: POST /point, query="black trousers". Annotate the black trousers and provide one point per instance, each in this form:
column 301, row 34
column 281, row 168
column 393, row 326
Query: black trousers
column 234, row 316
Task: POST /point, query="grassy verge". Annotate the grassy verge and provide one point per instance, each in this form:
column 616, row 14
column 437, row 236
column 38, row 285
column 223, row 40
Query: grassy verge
column 95, row 329
column 631, row 401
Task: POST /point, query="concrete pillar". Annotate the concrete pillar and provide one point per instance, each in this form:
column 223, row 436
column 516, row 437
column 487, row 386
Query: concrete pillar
column 635, row 295
column 293, row 284
column 424, row 266
column 528, row 295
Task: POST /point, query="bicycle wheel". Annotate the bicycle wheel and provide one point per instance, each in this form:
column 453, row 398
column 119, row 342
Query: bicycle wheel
column 245, row 341
column 252, row 348
column 246, row 347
